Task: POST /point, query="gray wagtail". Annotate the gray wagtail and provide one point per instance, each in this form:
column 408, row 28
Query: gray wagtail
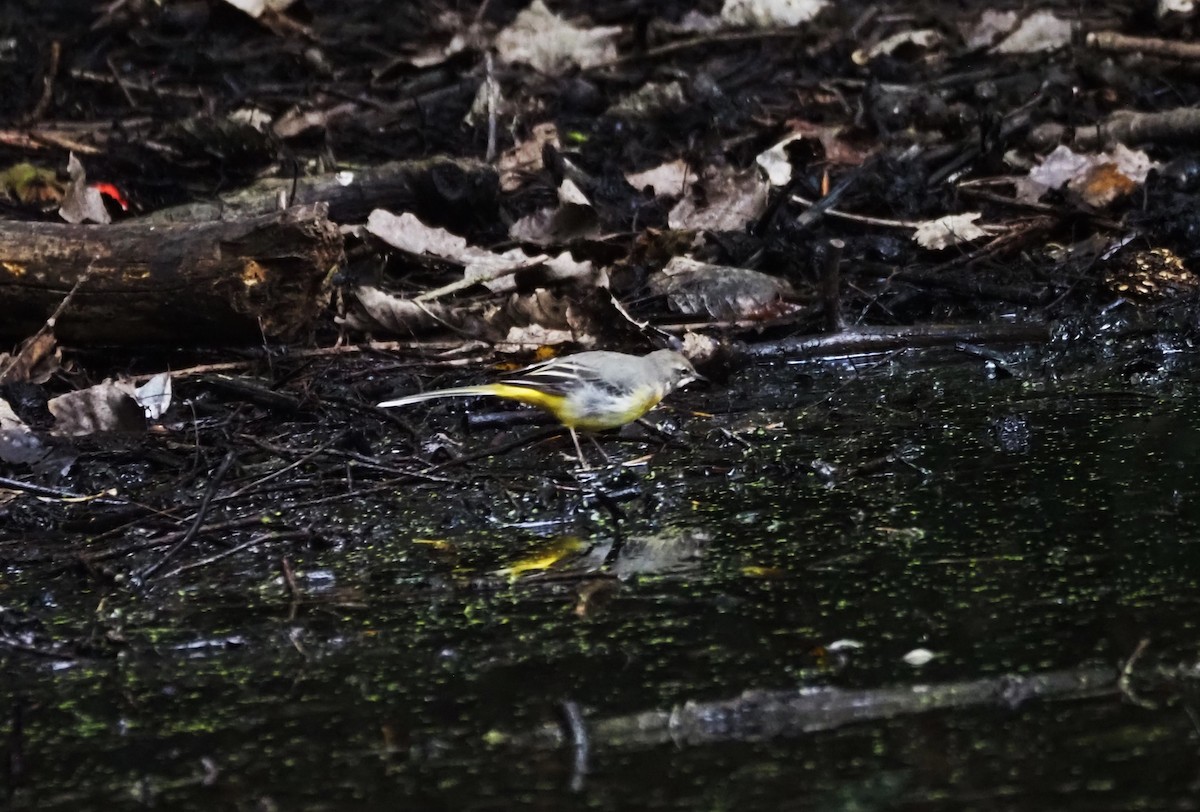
column 592, row 391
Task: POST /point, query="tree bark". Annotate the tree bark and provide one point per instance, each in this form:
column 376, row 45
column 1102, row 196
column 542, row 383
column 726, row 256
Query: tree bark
column 215, row 282
column 441, row 191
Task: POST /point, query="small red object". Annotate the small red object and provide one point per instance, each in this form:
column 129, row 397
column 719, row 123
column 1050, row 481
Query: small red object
column 111, row 191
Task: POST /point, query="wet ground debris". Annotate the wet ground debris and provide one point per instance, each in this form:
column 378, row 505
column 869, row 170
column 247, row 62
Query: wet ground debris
column 318, row 207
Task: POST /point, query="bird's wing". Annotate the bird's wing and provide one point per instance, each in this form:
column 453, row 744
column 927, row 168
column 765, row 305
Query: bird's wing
column 560, row 376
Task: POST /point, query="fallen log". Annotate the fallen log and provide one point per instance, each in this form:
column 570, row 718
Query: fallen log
column 444, row 191
column 215, row 282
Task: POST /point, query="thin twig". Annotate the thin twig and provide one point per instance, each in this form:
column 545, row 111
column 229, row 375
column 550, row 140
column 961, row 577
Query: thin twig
column 1115, row 42
column 831, row 265
column 201, row 512
column 1125, row 683
column 493, row 104
column 577, row 729
column 259, row 539
column 47, row 96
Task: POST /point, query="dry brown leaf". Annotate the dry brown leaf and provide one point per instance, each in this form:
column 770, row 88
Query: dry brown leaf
column 652, row 98
column 665, row 180
column 108, row 406
column 581, row 321
column 721, row 291
column 991, row 26
column 574, row 219
column 480, row 266
column 729, row 199
column 532, row 336
column 542, row 307
column 1102, row 184
column 297, row 121
column 407, row 233
column 37, row 359
column 525, row 159
column 370, row 309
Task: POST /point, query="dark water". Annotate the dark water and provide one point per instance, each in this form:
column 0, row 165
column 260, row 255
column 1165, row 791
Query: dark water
column 1009, row 527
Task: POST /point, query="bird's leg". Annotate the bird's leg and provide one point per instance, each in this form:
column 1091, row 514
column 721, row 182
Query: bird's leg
column 583, row 466
column 599, row 449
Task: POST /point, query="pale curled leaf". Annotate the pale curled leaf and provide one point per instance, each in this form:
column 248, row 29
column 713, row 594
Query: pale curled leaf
column 770, row 13
column 9, row 418
column 991, row 26
column 543, row 270
column 256, row 8
column 81, row 203
column 953, row 229
column 18, row 444
column 252, row 117
column 1098, row 178
column 1040, row 31
column 549, row 44
column 775, row 163
column 1059, row 167
column 154, row 396
column 480, row 266
column 407, row 233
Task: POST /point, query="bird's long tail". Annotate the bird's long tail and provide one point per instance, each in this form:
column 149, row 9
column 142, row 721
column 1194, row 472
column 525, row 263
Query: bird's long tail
column 456, row 392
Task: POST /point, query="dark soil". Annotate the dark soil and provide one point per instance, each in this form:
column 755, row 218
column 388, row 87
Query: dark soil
column 144, row 93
